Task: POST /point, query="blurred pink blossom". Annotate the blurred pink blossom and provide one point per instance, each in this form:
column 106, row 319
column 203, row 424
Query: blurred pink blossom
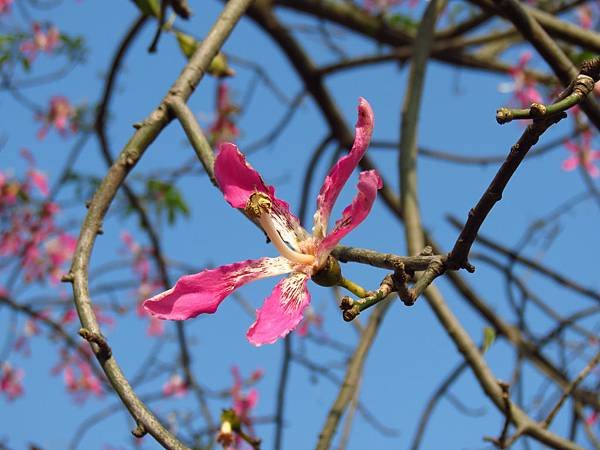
column 244, row 402
column 311, row 319
column 60, row 115
column 148, row 284
column 42, row 41
column 11, row 381
column 5, row 6
column 585, row 16
column 224, row 128
column 78, row 375
column 582, row 154
column 175, row 386
column 523, row 87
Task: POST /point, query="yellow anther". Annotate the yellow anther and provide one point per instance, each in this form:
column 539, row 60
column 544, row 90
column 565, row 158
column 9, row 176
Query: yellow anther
column 258, row 204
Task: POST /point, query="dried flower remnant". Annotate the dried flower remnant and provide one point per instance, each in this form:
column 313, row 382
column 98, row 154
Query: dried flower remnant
column 60, row 115
column 44, row 39
column 224, row 128
column 523, row 87
column 582, row 155
column 11, row 381
column 303, row 255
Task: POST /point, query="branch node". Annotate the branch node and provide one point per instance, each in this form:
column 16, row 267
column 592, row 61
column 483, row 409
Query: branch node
column 350, row 314
column 67, row 278
column 537, row 110
column 591, row 68
column 139, row 431
column 104, row 351
column 346, row 303
column 427, row 251
column 504, row 115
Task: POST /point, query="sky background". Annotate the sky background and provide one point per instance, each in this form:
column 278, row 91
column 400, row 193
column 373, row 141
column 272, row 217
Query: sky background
column 412, row 353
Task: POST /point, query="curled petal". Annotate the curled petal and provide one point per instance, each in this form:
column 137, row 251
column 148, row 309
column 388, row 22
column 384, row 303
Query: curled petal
column 368, row 184
column 239, row 180
column 203, row 292
column 282, row 310
column 341, row 171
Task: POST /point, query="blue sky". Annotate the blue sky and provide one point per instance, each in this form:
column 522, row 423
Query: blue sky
column 412, row 353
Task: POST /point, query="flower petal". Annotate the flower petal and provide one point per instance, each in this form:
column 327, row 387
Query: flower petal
column 239, row 180
column 368, row 184
column 203, row 292
column 282, row 310
column 571, row 146
column 570, row 164
column 341, row 171
column 592, row 170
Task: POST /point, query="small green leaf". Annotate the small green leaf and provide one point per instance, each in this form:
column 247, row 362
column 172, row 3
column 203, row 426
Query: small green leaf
column 148, row 7
column 187, row 43
column 489, row 336
column 166, row 198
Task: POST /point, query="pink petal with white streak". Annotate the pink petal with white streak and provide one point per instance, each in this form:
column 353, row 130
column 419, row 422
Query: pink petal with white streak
column 341, row 171
column 368, row 184
column 282, row 310
column 239, row 180
column 203, row 292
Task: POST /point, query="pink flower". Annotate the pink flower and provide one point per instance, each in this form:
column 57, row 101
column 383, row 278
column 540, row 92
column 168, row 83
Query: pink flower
column 60, row 115
column 523, row 87
column 175, row 386
column 41, row 41
column 303, row 254
column 5, row 6
column 10, row 381
column 582, row 155
column 224, row 128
